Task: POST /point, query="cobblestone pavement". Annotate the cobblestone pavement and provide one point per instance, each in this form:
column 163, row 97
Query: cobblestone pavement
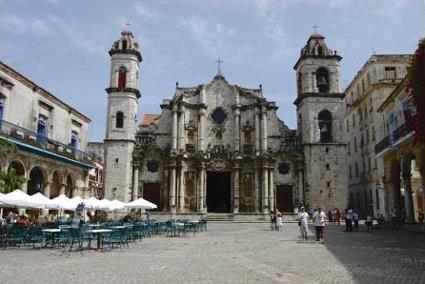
column 232, row 253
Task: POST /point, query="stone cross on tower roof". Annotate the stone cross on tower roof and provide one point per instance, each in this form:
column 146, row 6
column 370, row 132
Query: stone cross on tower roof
column 219, row 61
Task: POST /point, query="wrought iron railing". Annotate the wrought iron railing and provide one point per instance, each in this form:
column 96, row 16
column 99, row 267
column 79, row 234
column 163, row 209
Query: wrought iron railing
column 401, row 131
column 396, row 135
column 383, row 144
column 29, row 137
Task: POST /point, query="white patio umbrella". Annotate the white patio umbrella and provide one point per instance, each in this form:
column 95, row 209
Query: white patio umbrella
column 19, row 199
column 61, row 202
column 117, row 205
column 75, row 201
column 141, row 204
column 91, row 203
column 40, row 198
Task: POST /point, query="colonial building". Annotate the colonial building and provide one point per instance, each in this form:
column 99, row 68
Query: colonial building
column 363, row 129
column 403, row 158
column 50, row 134
column 220, row 147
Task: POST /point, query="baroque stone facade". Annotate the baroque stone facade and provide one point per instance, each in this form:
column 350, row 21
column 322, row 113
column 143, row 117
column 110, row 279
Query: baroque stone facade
column 219, row 147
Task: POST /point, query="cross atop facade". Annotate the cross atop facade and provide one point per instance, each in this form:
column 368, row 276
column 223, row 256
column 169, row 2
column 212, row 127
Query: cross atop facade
column 128, row 25
column 219, row 61
column 315, row 27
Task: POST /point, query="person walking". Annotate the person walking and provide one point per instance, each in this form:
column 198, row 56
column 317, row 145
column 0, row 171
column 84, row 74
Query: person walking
column 319, row 218
column 338, row 217
column 279, row 222
column 303, row 219
column 369, row 222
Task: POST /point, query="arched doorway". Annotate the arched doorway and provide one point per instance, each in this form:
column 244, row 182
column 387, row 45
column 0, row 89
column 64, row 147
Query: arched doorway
column 37, row 181
column 69, row 187
column 19, row 167
column 56, row 185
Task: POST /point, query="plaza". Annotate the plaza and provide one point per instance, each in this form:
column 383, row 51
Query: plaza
column 232, row 253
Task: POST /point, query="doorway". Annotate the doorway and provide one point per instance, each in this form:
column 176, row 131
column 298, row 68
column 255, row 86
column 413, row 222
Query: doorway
column 218, row 192
column 284, row 198
column 152, row 193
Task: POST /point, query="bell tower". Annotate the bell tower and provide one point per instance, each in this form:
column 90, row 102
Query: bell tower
column 319, row 114
column 123, row 95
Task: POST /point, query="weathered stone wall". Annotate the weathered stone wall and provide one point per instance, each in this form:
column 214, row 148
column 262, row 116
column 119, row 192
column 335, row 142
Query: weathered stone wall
column 326, row 187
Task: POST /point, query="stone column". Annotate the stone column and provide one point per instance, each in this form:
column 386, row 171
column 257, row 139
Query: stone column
column 182, row 142
column 271, row 190
column 257, row 189
column 174, row 129
column 165, row 195
column 200, row 189
column 204, row 189
column 86, row 187
column 46, row 189
column 24, row 185
column 300, row 186
column 264, row 130
column 181, row 192
column 408, row 202
column 62, row 189
column 265, row 192
column 236, row 197
column 135, row 182
column 201, row 130
column 237, row 130
column 257, row 130
column 172, row 200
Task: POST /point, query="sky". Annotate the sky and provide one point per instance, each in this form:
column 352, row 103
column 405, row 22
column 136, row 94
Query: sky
column 62, row 45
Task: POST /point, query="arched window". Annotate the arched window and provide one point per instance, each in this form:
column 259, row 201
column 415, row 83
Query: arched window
column 322, row 80
column 325, row 126
column 122, row 77
column 124, row 44
column 119, row 123
column 320, row 50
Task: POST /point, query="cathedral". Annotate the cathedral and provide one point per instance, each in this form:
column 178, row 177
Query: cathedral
column 219, row 147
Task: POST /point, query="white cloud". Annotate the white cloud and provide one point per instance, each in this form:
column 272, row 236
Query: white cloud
column 214, row 38
column 142, row 10
column 24, row 26
column 271, row 14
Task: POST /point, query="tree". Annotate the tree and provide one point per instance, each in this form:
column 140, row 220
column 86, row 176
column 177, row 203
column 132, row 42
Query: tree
column 416, row 89
column 10, row 180
column 7, row 148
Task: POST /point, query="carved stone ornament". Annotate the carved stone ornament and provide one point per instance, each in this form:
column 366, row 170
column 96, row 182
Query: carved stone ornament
column 284, row 168
column 218, row 164
column 152, row 166
column 219, row 116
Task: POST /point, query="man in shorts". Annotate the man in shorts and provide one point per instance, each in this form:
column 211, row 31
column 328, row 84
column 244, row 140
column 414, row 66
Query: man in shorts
column 319, row 217
column 303, row 218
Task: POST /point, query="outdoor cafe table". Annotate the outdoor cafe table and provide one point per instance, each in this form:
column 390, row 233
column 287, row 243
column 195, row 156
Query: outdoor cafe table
column 94, row 225
column 178, row 228
column 117, row 227
column 51, row 234
column 99, row 233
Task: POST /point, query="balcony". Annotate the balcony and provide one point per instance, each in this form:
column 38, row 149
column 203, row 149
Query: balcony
column 30, row 140
column 401, row 132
